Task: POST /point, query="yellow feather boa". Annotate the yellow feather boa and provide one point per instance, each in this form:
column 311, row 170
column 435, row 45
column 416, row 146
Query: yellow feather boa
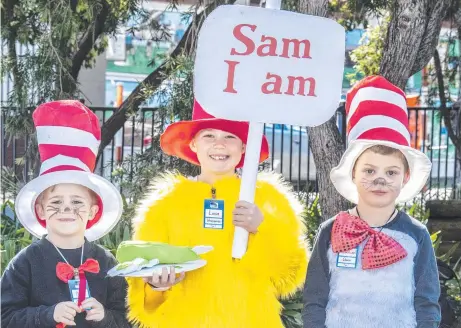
column 226, row 292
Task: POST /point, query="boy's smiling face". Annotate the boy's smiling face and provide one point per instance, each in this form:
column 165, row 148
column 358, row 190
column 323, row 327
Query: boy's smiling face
column 67, row 208
column 380, row 178
column 218, row 152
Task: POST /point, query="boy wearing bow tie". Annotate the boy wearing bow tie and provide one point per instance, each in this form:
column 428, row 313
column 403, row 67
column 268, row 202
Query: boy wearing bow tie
column 374, row 266
column 60, row 280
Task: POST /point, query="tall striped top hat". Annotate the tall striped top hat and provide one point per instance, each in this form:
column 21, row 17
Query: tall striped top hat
column 68, row 135
column 377, row 115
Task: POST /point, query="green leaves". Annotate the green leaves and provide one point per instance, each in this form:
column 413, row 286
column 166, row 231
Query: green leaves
column 367, row 57
column 63, row 41
column 14, row 236
column 292, row 308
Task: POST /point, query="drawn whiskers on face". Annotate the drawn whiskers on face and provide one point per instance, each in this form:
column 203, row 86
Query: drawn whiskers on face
column 77, row 210
column 380, row 183
column 53, row 209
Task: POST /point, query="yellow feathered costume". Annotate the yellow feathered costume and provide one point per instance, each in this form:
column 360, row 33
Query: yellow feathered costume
column 226, row 292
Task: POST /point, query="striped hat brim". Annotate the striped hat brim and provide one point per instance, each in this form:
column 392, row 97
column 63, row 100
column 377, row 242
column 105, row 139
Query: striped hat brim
column 110, row 197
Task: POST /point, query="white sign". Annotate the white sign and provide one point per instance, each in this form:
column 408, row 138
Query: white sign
column 270, row 66
column 262, row 65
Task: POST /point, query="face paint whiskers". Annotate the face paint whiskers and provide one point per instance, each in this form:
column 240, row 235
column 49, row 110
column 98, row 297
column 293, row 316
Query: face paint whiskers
column 77, row 210
column 378, row 182
column 55, row 210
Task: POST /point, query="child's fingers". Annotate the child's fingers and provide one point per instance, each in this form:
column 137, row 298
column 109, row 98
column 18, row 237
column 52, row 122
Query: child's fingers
column 155, row 279
column 242, row 224
column 91, row 303
column 87, row 301
column 70, row 311
column 73, row 306
column 172, row 277
column 239, row 219
column 68, row 322
column 243, row 204
column 240, row 211
column 164, row 276
column 93, row 314
column 67, row 316
column 90, row 317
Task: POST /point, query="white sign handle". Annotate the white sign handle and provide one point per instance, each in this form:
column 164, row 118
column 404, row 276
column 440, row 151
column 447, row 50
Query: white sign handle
column 248, row 184
column 250, row 169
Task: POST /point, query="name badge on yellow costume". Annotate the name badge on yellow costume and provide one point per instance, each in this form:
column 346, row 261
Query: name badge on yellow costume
column 213, row 216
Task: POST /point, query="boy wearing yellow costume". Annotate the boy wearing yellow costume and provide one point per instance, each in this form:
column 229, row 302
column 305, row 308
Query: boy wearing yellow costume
column 226, row 292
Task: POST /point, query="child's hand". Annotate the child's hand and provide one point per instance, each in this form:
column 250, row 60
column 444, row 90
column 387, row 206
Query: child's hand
column 96, row 312
column 165, row 280
column 247, row 216
column 65, row 312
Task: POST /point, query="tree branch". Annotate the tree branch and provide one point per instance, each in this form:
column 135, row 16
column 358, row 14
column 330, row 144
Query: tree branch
column 91, row 35
column 153, row 81
column 411, row 38
column 431, row 35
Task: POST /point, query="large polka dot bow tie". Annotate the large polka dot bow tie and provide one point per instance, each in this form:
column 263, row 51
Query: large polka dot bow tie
column 380, row 250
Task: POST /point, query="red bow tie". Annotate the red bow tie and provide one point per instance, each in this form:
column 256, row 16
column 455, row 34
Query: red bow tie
column 66, row 272
column 380, row 250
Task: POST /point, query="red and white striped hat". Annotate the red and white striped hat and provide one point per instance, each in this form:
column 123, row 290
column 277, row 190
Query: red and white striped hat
column 68, row 135
column 377, row 115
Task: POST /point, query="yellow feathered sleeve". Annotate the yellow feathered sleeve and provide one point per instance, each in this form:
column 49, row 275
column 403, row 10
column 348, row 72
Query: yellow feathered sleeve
column 149, row 225
column 279, row 245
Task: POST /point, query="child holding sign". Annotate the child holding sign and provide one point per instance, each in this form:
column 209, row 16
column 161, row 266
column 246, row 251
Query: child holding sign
column 204, row 211
column 374, row 266
column 55, row 280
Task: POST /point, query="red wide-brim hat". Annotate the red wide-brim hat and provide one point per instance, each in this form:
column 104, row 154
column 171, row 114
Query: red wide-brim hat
column 177, row 137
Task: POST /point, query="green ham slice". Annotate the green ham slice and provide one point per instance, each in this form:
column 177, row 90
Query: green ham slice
column 166, row 254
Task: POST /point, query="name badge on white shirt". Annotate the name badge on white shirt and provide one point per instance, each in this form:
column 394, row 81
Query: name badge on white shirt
column 347, row 259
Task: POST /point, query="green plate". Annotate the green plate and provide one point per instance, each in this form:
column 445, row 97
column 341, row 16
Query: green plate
column 164, row 253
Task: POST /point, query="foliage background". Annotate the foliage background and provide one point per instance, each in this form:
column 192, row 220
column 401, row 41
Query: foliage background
column 61, row 44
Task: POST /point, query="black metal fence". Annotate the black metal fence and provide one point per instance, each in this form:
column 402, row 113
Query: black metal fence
column 290, row 149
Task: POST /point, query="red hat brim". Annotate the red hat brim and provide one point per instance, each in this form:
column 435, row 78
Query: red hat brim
column 176, row 138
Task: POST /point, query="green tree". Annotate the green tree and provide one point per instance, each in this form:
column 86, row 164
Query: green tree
column 56, row 39
column 441, row 72
column 61, row 37
column 411, row 37
column 367, row 57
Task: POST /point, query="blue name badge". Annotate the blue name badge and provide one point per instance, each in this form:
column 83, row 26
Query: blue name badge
column 213, row 216
column 73, row 288
column 347, row 259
